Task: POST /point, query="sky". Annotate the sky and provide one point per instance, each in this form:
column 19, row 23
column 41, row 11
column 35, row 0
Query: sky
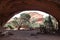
column 40, row 12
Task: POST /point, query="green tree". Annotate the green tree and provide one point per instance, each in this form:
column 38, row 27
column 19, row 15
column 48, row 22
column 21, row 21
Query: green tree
column 24, row 20
column 16, row 21
column 49, row 24
column 10, row 27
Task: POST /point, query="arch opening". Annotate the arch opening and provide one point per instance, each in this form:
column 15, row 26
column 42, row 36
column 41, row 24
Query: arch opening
column 32, row 20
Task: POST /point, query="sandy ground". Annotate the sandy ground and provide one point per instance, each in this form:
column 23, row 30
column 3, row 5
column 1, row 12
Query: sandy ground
column 26, row 35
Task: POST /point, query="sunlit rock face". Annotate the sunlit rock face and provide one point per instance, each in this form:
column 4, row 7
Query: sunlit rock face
column 36, row 16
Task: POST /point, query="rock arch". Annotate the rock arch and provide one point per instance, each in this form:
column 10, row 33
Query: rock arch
column 8, row 8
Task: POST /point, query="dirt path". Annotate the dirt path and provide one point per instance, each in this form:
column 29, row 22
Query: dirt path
column 26, row 35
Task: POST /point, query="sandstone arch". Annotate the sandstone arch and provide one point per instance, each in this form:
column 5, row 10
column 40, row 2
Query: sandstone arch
column 8, row 8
